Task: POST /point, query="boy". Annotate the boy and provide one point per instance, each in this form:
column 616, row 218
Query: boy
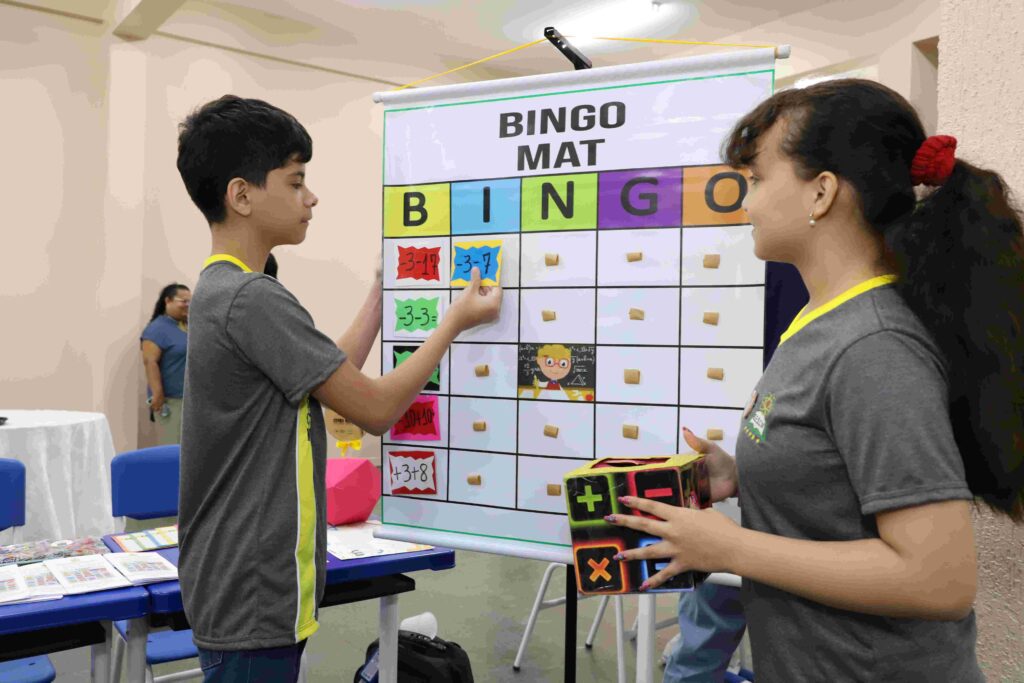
column 251, row 519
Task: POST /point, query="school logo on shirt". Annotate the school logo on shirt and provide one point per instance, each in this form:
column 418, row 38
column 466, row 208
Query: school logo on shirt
column 757, row 426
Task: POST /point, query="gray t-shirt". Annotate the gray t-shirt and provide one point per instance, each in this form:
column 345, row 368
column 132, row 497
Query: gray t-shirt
column 850, row 419
column 251, row 515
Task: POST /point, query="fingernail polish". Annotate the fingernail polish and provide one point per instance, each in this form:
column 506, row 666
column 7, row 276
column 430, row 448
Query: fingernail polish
column 623, row 499
column 687, row 430
column 644, row 586
column 610, row 519
column 618, row 558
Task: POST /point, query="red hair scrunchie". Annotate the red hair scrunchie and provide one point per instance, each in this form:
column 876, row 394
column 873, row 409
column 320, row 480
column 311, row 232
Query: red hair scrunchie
column 934, row 160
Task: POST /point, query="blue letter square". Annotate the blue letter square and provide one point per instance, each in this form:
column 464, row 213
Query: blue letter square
column 485, row 206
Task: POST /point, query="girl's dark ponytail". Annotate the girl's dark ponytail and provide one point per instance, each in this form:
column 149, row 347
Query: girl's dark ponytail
column 961, row 260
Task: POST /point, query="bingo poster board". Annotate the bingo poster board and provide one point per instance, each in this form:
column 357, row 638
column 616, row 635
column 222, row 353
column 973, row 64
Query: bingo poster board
column 633, row 302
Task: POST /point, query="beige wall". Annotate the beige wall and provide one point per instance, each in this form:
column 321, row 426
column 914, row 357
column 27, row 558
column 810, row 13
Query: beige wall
column 101, row 221
column 879, row 39
column 841, row 35
column 57, row 330
column 980, row 102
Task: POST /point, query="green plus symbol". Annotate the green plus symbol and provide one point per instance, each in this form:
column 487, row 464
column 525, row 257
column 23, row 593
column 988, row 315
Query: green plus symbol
column 590, row 498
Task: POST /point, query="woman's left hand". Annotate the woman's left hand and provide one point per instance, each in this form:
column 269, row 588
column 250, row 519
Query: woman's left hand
column 701, row 540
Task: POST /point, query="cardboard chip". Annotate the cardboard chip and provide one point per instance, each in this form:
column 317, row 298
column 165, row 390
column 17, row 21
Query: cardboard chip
column 715, row 435
column 631, row 376
column 711, row 318
column 548, row 316
column 636, row 314
column 635, row 256
column 550, row 259
column 550, row 430
column 474, row 480
column 482, row 370
column 712, row 260
column 716, row 373
column 554, row 489
column 479, row 426
column 631, row 431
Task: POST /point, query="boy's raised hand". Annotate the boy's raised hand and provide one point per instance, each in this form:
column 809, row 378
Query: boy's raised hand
column 476, row 305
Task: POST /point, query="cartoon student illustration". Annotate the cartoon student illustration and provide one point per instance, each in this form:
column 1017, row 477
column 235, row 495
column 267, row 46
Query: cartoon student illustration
column 555, row 362
column 566, row 372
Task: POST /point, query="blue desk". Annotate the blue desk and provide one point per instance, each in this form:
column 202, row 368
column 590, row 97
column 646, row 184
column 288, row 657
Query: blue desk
column 347, row 581
column 73, row 621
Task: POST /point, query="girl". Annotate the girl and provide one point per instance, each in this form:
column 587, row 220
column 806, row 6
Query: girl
column 893, row 401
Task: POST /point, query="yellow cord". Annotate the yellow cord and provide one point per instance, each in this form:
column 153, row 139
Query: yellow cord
column 544, row 40
column 479, row 61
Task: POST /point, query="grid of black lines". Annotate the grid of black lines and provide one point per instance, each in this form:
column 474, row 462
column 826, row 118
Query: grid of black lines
column 446, row 388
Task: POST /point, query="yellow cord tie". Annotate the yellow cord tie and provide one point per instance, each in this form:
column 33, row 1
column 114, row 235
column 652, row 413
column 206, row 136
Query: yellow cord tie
column 544, row 40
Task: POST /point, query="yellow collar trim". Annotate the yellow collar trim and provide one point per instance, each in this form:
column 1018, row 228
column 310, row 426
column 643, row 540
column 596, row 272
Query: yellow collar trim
column 801, row 320
column 216, row 258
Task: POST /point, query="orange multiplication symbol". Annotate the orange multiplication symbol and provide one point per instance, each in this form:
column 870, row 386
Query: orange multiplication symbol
column 600, row 570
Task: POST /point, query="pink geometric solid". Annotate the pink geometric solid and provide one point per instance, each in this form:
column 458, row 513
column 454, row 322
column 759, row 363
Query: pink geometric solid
column 353, row 488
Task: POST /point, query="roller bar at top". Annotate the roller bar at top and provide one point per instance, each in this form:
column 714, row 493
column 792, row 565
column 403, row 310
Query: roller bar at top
column 700, row 65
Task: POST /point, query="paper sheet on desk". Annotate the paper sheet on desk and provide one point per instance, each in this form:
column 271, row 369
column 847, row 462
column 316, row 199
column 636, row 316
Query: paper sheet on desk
column 353, row 541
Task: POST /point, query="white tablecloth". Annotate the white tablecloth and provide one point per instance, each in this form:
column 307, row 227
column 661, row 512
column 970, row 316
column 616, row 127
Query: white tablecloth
column 67, row 472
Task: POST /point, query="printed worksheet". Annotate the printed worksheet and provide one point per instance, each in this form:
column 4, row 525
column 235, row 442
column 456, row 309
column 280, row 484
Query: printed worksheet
column 86, row 574
column 354, row 541
column 41, row 582
column 150, row 539
column 143, row 568
column 12, row 586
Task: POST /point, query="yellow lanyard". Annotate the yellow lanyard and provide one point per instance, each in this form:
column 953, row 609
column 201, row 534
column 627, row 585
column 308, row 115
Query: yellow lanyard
column 801, row 320
column 217, row 258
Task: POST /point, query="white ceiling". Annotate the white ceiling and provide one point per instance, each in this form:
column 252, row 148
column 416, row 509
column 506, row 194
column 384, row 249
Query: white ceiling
column 398, row 41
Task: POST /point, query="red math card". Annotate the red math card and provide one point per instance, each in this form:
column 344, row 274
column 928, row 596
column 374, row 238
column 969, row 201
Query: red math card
column 421, row 421
column 412, row 472
column 419, row 263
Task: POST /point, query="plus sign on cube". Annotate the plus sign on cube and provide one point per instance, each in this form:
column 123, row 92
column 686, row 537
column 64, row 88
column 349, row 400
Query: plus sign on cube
column 589, row 498
column 592, row 492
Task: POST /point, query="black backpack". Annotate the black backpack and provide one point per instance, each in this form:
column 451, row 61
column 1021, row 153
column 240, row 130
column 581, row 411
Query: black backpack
column 421, row 660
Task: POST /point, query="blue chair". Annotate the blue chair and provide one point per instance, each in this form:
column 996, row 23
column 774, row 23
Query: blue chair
column 12, row 513
column 144, row 485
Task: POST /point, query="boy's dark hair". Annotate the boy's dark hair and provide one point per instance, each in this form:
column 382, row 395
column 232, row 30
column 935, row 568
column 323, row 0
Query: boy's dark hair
column 235, row 138
column 959, row 255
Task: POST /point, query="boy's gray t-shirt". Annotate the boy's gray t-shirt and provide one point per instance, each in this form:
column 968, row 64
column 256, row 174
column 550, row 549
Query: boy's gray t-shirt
column 251, row 513
column 850, row 419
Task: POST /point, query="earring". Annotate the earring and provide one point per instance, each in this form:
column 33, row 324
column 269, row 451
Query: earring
column 811, row 220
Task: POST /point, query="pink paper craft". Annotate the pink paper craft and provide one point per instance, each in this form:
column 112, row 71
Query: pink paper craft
column 353, row 488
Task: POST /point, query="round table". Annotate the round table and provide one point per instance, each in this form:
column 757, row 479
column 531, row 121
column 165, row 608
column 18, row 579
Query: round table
column 67, row 472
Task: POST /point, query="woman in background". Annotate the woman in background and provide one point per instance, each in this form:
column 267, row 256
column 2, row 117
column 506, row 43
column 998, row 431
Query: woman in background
column 164, row 342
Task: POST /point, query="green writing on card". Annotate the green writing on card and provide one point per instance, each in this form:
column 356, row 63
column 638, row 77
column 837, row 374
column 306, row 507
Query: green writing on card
column 415, row 314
